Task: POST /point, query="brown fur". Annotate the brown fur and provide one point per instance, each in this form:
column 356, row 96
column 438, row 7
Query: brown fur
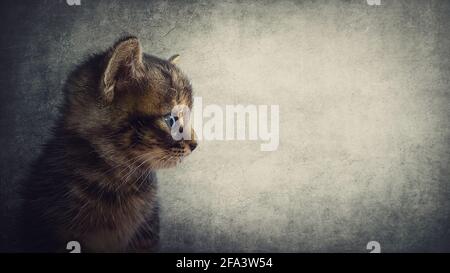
column 95, row 181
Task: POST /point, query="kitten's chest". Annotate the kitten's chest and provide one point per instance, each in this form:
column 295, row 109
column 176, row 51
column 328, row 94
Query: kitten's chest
column 108, row 224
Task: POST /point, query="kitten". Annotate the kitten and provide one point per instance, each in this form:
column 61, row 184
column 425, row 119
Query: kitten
column 95, row 182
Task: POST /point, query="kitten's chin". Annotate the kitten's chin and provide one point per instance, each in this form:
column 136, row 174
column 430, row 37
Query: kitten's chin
column 166, row 164
column 162, row 159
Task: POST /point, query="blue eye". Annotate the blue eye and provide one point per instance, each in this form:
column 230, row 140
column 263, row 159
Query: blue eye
column 170, row 120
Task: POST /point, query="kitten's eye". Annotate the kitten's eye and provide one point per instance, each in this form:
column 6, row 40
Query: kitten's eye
column 170, row 120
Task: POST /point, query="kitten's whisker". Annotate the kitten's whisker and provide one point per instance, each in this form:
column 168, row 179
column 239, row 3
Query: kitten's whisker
column 125, row 178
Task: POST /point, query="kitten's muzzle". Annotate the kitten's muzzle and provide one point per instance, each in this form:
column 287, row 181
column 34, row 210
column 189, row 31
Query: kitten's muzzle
column 193, row 142
column 193, row 145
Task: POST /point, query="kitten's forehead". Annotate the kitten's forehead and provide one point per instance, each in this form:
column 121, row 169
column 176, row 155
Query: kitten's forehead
column 166, row 87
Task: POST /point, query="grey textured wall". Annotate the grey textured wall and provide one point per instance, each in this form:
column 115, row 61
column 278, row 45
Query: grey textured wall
column 364, row 116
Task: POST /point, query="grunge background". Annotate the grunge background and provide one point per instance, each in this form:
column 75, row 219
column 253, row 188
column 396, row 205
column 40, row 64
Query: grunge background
column 364, row 99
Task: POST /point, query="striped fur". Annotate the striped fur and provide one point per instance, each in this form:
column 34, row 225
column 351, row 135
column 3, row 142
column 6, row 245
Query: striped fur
column 95, row 180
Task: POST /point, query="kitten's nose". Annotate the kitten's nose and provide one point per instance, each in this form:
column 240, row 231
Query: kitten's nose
column 193, row 145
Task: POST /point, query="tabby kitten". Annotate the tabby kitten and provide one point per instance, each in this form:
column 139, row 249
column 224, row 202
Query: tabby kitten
column 95, row 182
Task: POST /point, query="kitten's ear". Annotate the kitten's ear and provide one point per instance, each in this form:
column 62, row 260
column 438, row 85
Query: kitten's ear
column 124, row 63
column 174, row 59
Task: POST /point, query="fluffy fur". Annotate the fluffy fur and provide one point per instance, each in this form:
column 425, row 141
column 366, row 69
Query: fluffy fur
column 95, row 181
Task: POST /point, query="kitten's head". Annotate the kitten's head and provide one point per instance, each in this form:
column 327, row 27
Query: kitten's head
column 122, row 101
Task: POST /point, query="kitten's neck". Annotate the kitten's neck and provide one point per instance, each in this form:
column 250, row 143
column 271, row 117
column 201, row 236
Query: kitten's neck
column 94, row 166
